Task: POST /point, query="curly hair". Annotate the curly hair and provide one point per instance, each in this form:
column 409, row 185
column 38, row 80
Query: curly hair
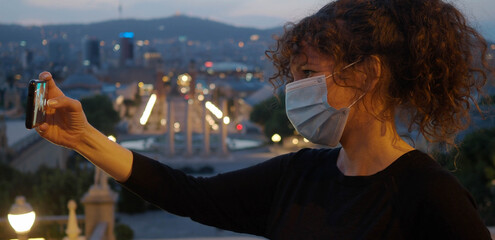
column 433, row 62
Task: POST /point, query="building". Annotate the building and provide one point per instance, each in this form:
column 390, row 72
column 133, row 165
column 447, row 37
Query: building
column 91, row 52
column 58, row 52
column 27, row 59
column 80, row 85
column 126, row 49
column 153, row 59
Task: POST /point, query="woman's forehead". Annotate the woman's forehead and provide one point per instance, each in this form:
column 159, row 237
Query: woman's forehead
column 309, row 56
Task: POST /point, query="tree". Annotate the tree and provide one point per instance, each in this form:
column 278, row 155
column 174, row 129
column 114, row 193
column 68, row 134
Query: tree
column 473, row 163
column 100, row 113
column 270, row 114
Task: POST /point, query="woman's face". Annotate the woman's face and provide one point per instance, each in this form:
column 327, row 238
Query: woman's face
column 313, row 63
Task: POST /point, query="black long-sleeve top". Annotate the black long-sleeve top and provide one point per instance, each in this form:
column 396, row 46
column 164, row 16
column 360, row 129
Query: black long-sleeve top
column 303, row 195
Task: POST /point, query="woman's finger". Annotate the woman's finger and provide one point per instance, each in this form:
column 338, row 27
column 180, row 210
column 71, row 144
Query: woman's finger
column 65, row 102
column 53, row 90
column 42, row 128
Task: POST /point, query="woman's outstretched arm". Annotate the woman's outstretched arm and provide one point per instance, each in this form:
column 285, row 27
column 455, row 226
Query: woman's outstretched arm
column 66, row 125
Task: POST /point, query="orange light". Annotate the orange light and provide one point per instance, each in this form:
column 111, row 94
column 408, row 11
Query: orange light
column 209, row 64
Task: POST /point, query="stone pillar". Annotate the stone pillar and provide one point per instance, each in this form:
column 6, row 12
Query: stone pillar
column 206, row 133
column 99, row 206
column 171, row 130
column 72, row 230
column 223, row 129
column 189, row 127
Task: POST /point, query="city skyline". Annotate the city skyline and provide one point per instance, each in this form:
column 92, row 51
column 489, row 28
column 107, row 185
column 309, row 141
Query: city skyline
column 255, row 13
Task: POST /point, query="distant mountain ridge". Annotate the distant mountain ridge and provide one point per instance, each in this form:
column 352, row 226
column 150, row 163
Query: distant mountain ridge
column 164, row 28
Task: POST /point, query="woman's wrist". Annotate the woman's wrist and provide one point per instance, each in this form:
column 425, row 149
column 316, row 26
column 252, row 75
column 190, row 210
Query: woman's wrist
column 106, row 154
column 88, row 140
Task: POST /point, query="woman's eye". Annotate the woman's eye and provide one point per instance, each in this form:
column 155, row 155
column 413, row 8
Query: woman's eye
column 308, row 73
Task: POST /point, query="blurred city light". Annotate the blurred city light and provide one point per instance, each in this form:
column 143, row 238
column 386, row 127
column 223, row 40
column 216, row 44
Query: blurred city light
column 126, row 35
column 119, row 100
column 184, row 80
column 226, row 120
column 209, row 64
column 214, row 109
column 148, row 109
column 176, row 126
column 184, row 90
column 254, row 37
column 276, row 138
column 249, row 76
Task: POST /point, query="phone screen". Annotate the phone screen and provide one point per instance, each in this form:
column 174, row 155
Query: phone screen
column 36, row 105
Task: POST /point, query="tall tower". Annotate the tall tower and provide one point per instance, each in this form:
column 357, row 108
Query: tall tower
column 120, row 10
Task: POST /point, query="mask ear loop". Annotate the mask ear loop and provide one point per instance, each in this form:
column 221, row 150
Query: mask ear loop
column 359, row 98
column 344, row 68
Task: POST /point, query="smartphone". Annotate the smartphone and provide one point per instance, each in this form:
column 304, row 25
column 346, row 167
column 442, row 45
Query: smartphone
column 36, row 103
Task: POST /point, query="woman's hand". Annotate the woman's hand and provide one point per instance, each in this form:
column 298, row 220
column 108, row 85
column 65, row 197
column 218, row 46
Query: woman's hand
column 65, row 122
column 66, row 125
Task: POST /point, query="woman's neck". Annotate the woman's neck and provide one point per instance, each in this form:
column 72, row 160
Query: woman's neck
column 369, row 147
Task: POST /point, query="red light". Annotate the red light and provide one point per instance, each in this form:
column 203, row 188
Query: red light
column 238, row 127
column 186, row 97
column 209, row 64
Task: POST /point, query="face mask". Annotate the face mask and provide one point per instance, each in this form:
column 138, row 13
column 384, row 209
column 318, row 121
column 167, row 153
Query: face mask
column 308, row 110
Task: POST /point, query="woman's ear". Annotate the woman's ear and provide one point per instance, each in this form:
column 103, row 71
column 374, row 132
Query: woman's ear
column 375, row 68
column 377, row 65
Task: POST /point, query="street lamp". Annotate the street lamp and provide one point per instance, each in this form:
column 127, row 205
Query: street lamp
column 276, row 138
column 21, row 217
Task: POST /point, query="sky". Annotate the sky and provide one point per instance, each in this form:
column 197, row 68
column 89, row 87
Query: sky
column 250, row 13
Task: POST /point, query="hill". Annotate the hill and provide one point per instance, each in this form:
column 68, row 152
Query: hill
column 191, row 27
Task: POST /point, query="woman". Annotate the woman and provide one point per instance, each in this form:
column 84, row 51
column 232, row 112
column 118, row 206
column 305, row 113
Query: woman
column 351, row 69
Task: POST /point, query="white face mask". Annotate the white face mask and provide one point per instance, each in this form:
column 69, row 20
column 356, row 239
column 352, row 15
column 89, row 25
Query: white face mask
column 308, row 110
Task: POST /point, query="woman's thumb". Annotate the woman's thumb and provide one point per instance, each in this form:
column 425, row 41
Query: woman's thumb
column 64, row 102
